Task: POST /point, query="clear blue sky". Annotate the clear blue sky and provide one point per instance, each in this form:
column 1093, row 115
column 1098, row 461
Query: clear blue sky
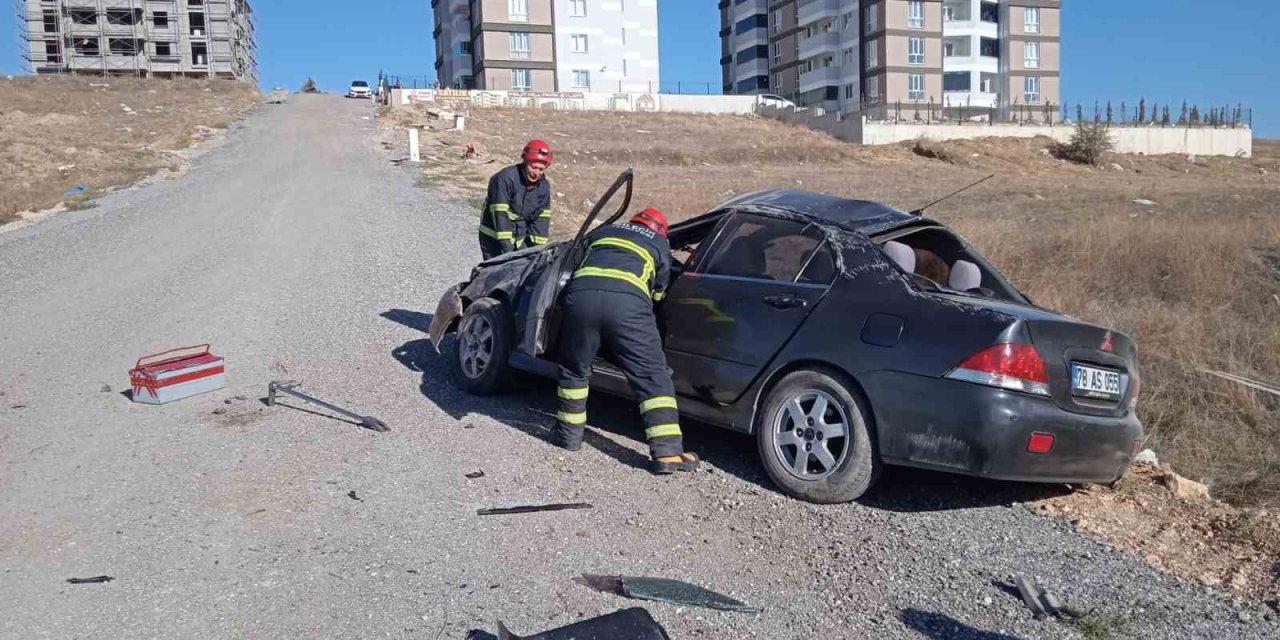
column 1220, row 51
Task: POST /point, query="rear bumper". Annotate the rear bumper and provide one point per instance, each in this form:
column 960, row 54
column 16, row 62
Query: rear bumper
column 977, row 430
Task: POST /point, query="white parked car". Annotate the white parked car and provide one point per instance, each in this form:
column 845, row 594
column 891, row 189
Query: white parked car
column 359, row 89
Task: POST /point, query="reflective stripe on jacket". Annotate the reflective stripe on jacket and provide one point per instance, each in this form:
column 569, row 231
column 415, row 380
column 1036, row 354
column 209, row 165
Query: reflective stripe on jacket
column 625, row 257
column 515, row 216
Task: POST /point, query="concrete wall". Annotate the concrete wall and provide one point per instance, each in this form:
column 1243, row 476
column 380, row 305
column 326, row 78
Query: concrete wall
column 1145, row 140
column 849, row 129
column 579, row 101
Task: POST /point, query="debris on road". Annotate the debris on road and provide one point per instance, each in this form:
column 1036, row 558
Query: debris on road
column 290, row 387
column 665, row 590
column 174, row 377
column 1041, row 601
column 352, row 494
column 93, row 580
column 474, row 475
column 627, row 624
column 1184, row 488
column 309, row 86
column 1147, row 456
column 533, row 509
column 75, row 191
column 1146, row 202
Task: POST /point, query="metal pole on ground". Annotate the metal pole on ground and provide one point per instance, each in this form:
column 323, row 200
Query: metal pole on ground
column 414, row 153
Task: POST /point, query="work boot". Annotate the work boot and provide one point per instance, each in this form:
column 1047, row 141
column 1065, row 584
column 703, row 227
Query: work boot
column 568, row 436
column 666, row 465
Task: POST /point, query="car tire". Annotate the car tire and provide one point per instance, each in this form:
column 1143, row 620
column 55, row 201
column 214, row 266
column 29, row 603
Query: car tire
column 481, row 352
column 851, row 462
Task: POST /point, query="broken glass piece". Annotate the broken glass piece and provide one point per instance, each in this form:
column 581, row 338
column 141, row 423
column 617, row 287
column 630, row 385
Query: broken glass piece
column 664, row 590
column 627, row 624
column 533, row 509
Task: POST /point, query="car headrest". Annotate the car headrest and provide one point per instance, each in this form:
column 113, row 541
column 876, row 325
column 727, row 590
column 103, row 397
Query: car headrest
column 965, row 275
column 903, row 255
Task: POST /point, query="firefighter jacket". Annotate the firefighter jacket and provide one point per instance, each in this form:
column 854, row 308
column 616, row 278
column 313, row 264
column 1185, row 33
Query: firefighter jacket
column 515, row 215
column 628, row 258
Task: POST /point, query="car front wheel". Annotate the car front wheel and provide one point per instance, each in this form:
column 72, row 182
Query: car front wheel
column 483, row 347
column 814, row 437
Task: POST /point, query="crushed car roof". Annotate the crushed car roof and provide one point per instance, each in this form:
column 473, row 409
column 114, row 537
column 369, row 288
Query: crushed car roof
column 854, row 215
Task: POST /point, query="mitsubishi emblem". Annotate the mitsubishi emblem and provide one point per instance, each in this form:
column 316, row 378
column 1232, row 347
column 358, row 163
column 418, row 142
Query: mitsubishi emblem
column 1106, row 343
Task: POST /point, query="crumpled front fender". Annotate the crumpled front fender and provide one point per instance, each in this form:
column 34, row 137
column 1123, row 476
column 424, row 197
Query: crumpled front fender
column 447, row 313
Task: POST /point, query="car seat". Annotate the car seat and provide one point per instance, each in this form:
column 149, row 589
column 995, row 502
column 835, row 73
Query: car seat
column 965, row 276
column 743, row 257
column 902, row 255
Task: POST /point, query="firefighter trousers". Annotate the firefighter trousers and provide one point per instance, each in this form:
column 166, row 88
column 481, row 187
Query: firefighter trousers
column 624, row 323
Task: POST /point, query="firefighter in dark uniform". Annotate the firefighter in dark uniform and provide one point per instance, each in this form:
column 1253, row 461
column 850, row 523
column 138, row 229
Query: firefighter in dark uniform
column 517, row 212
column 610, row 300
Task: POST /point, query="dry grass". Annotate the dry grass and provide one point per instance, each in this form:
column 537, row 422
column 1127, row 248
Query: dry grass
column 1195, row 279
column 58, row 132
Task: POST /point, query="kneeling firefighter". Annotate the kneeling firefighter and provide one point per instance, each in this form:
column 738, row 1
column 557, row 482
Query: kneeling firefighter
column 610, row 299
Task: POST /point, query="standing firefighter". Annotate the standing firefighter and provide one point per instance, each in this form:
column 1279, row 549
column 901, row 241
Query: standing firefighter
column 517, row 212
column 610, row 300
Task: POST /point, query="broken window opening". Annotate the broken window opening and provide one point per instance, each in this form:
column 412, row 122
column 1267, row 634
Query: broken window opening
column 53, row 52
column 160, row 19
column 164, row 50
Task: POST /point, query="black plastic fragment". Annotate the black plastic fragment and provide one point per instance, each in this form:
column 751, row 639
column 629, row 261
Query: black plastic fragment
column 665, row 590
column 475, row 474
column 627, row 624
column 533, row 509
column 352, row 494
column 93, row 580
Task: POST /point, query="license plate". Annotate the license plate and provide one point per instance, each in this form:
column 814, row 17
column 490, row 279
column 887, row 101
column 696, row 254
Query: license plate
column 1094, row 383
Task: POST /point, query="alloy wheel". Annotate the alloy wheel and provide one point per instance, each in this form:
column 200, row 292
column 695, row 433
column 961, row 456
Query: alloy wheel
column 811, row 434
column 475, row 346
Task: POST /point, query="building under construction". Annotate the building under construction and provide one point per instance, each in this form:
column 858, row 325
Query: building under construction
column 145, row 38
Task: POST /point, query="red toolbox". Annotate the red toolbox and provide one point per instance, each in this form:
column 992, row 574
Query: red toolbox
column 176, row 374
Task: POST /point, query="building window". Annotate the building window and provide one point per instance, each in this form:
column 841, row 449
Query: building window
column 873, row 54
column 160, row 19
column 519, row 45
column 847, row 58
column 521, row 80
column 164, row 49
column 777, row 53
column 915, row 86
column 872, row 19
column 518, row 10
column 948, row 13
column 1031, row 87
column 915, row 14
column 578, row 43
column 989, row 47
column 1031, row 23
column 581, row 79
column 777, row 20
column 758, row 21
column 956, row 81
column 578, row 8
column 873, row 91
column 464, row 48
column 915, row 50
column 777, row 80
column 848, row 21
column 1032, row 58
column 848, row 91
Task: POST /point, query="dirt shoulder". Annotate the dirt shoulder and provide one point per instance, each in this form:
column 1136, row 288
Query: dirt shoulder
column 58, row 133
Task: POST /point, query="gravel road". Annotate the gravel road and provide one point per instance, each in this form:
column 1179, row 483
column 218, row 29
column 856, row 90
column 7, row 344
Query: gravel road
column 299, row 252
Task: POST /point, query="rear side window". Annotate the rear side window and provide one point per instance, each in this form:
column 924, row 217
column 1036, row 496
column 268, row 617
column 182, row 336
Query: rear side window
column 822, row 265
column 763, row 248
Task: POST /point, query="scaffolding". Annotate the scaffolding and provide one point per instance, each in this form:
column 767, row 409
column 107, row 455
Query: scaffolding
column 143, row 38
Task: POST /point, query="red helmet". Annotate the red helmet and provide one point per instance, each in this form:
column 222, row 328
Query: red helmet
column 653, row 219
column 537, row 151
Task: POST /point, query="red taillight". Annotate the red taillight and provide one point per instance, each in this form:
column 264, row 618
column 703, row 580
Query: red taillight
column 1135, row 381
column 1040, row 443
column 1015, row 365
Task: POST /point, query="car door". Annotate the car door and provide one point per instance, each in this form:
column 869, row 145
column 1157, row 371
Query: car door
column 737, row 305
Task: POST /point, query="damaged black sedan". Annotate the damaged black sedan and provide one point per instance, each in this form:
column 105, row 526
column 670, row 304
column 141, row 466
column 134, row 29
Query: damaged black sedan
column 844, row 335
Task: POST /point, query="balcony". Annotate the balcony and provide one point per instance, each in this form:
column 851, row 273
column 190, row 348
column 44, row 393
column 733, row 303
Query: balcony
column 827, row 42
column 815, row 10
column 819, row 78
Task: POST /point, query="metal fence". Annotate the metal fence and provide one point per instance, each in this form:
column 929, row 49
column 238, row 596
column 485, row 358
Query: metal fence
column 669, row 87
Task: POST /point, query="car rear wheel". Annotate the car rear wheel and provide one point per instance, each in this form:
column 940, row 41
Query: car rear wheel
column 483, row 347
column 814, row 437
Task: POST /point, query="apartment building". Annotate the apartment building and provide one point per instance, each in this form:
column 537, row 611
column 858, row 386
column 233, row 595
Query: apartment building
column 149, row 38
column 874, row 55
column 547, row 45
